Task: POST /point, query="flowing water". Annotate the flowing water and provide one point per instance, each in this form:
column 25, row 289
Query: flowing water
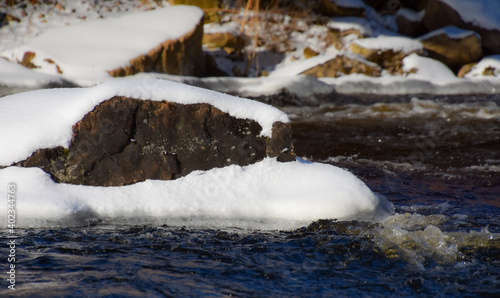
column 437, row 161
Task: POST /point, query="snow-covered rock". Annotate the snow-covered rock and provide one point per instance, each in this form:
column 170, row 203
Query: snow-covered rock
column 45, row 118
column 453, row 46
column 481, row 16
column 344, row 65
column 387, row 51
column 268, row 192
column 164, row 40
column 487, row 68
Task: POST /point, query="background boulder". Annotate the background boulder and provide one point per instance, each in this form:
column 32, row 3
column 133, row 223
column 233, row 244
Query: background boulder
column 439, row 14
column 453, row 46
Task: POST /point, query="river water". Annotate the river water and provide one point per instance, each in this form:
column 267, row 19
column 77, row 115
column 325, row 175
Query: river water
column 438, row 161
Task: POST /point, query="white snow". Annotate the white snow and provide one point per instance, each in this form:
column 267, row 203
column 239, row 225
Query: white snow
column 286, row 195
column 428, row 70
column 483, row 13
column 347, row 23
column 87, row 51
column 487, row 62
column 411, row 15
column 297, row 67
column 452, row 32
column 13, row 74
column 231, row 27
column 395, row 43
column 44, row 118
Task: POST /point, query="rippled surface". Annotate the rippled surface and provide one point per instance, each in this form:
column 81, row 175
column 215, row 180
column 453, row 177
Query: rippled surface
column 439, row 163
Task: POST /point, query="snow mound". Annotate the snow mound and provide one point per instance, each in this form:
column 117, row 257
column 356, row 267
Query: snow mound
column 283, row 195
column 428, row 70
column 490, row 62
column 44, row 118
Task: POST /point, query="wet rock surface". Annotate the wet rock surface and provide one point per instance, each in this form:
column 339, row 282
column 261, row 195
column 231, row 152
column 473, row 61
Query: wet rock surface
column 125, row 140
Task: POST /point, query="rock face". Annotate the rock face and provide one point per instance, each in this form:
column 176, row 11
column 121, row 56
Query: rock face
column 454, row 51
column 125, row 140
column 439, row 15
column 341, row 65
column 183, row 56
column 410, row 23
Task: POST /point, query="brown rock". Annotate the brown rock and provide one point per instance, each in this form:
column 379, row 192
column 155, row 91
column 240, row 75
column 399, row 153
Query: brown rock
column 183, row 56
column 344, row 65
column 125, row 140
column 454, row 51
column 439, row 15
column 309, row 53
column 337, row 33
column 224, row 40
column 490, row 71
column 465, row 69
column 408, row 26
column 391, row 60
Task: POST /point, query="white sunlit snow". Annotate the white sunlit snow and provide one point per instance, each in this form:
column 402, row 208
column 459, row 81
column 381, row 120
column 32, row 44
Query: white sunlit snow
column 282, row 194
column 268, row 194
column 86, row 52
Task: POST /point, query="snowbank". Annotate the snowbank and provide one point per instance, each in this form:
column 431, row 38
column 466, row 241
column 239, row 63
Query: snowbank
column 282, row 195
column 44, row 118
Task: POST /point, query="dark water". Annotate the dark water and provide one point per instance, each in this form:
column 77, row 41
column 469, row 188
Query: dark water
column 439, row 163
